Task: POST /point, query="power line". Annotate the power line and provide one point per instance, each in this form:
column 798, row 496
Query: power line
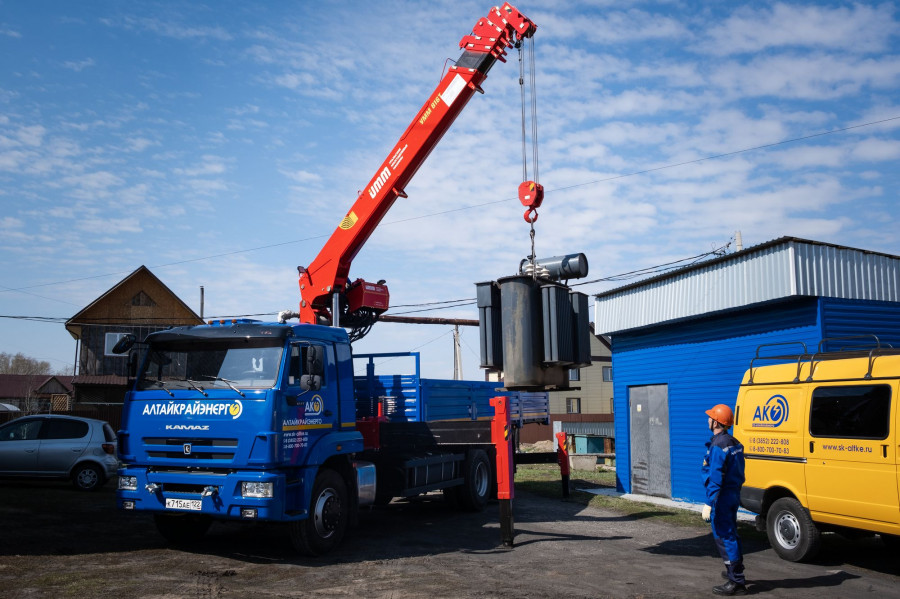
column 473, row 206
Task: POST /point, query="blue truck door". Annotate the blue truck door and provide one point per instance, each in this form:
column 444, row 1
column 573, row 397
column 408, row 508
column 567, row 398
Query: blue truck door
column 308, row 413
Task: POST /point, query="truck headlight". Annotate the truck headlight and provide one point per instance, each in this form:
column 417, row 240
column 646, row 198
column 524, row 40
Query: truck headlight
column 257, row 489
column 128, row 483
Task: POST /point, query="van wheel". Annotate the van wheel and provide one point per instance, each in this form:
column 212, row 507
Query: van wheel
column 892, row 542
column 473, row 495
column 792, row 533
column 323, row 530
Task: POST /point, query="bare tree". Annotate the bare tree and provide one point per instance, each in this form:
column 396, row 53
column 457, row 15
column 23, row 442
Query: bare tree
column 22, row 364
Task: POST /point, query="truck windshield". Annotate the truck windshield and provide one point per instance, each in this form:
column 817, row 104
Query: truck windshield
column 243, row 363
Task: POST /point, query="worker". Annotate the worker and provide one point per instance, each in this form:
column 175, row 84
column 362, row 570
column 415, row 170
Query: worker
column 723, row 476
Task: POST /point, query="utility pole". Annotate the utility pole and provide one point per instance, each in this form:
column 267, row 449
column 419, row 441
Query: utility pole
column 457, row 355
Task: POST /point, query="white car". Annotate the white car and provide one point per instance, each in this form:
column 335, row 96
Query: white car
column 56, row 446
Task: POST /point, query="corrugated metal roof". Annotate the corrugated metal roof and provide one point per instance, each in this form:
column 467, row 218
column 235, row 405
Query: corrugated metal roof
column 599, row 429
column 779, row 269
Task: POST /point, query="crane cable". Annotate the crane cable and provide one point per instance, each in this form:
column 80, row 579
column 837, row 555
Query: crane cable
column 534, row 136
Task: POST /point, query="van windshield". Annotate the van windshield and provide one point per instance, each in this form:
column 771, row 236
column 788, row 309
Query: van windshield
column 246, row 363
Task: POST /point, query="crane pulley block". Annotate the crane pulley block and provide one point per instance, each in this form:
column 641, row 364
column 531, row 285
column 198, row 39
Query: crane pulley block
column 531, row 195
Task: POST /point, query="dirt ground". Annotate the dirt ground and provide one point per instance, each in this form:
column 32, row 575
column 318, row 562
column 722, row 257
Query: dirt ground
column 56, row 542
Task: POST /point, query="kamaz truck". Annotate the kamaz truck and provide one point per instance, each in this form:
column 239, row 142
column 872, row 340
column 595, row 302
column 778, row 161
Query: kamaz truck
column 243, row 420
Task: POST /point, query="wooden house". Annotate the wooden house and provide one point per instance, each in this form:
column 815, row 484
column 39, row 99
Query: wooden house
column 139, row 304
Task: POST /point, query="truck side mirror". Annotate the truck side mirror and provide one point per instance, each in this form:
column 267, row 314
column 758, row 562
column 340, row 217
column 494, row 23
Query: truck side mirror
column 310, row 382
column 124, row 344
column 315, row 360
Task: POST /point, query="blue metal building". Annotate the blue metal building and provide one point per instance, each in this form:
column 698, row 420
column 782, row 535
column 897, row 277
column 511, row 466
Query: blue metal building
column 681, row 342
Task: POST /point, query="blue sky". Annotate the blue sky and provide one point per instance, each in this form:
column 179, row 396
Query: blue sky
column 220, row 143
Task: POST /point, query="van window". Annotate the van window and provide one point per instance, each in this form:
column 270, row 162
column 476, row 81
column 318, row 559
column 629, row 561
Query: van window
column 851, row 412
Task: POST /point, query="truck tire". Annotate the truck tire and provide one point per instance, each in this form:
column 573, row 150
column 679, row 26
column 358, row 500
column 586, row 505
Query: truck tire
column 323, row 530
column 792, row 533
column 473, row 495
column 182, row 529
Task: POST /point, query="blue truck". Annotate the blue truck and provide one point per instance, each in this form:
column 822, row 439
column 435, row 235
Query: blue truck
column 250, row 421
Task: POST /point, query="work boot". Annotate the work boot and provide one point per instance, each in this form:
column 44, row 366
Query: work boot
column 730, row 588
column 724, row 574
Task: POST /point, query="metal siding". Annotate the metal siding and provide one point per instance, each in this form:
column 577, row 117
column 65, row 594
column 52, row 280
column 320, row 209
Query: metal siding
column 750, row 279
column 775, row 272
column 599, row 429
column 842, row 318
column 702, row 363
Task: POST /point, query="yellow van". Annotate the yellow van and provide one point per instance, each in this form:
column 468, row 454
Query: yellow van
column 820, row 440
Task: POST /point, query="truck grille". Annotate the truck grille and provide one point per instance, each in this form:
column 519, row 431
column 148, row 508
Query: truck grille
column 190, row 449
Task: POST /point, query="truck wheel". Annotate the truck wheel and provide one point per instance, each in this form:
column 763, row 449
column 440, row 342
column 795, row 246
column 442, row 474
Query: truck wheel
column 323, row 530
column 182, row 529
column 474, row 493
column 792, row 533
column 88, row 477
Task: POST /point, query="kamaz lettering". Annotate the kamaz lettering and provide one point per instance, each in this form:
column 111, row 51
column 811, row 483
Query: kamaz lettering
column 187, row 427
column 379, row 182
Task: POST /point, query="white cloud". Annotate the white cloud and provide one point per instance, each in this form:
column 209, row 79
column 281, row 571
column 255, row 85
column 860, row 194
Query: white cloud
column 859, row 28
column 877, row 150
column 31, row 136
column 79, row 65
column 810, row 77
column 109, row 226
column 210, row 165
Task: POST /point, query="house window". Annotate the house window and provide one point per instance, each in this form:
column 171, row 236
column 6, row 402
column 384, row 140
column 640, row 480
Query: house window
column 607, row 374
column 573, row 405
column 142, row 299
column 574, row 374
column 111, row 340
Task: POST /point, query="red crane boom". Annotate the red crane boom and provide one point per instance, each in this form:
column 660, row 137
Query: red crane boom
column 359, row 302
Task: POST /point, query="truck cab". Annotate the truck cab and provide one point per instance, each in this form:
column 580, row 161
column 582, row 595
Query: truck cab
column 233, row 421
column 244, row 420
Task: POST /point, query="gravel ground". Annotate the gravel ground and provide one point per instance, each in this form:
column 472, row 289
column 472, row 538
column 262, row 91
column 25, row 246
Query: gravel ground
column 55, row 542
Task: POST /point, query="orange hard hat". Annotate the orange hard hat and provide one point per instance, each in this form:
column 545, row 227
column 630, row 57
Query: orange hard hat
column 721, row 414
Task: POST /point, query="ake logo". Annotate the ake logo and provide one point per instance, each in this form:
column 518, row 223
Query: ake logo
column 772, row 414
column 314, row 406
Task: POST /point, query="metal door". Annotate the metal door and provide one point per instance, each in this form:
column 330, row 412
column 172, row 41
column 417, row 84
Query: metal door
column 650, row 460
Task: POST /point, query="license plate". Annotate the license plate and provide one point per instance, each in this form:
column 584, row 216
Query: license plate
column 183, row 504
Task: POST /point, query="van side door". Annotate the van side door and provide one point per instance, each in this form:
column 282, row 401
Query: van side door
column 851, row 469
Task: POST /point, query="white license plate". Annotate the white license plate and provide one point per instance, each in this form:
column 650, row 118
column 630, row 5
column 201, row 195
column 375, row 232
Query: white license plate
column 183, row 504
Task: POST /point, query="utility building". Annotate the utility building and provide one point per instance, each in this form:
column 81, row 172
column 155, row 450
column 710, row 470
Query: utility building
column 681, row 342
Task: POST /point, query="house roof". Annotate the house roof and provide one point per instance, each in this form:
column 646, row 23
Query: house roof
column 103, row 380
column 20, row 386
column 138, row 299
column 776, row 270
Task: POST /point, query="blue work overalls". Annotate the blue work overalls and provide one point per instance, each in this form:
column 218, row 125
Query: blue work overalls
column 723, row 476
